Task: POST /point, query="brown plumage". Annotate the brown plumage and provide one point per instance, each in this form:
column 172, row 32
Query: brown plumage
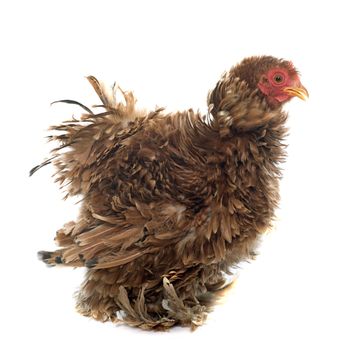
column 171, row 202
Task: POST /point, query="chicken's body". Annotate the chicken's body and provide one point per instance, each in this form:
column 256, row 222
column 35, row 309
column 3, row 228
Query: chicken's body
column 170, row 201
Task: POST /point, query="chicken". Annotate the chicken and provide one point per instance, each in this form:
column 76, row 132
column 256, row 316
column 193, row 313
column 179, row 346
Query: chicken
column 171, row 202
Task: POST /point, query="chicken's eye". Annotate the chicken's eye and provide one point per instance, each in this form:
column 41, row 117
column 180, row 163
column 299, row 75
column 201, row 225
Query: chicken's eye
column 278, row 78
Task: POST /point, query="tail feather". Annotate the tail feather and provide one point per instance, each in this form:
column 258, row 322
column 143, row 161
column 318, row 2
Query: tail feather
column 91, row 138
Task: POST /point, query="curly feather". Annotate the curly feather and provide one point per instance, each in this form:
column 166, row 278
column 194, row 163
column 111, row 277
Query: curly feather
column 170, row 201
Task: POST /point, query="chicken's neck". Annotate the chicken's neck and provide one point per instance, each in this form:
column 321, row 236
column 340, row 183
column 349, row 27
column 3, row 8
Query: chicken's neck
column 245, row 153
column 246, row 169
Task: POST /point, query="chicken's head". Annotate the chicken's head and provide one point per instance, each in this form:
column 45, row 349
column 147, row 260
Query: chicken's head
column 276, row 80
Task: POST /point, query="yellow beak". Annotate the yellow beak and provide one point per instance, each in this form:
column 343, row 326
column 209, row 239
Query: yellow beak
column 300, row 92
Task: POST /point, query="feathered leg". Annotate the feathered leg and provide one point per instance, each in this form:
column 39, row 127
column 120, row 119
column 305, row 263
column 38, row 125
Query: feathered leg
column 96, row 297
column 155, row 306
column 138, row 307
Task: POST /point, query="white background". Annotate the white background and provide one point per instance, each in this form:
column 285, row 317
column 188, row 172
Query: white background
column 296, row 294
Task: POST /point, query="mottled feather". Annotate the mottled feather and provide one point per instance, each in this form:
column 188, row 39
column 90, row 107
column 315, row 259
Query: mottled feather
column 171, row 201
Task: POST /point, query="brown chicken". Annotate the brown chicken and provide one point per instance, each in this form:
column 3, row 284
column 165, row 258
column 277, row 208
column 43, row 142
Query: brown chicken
column 171, row 202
